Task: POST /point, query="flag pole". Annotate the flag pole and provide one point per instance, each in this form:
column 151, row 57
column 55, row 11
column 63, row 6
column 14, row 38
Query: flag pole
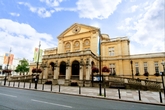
column 8, row 59
column 37, row 76
column 38, row 55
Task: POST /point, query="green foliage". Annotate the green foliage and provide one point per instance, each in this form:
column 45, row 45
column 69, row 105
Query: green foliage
column 23, row 66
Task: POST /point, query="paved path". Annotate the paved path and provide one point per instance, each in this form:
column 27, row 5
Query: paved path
column 125, row 94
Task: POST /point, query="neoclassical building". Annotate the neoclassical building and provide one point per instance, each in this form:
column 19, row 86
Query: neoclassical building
column 78, row 51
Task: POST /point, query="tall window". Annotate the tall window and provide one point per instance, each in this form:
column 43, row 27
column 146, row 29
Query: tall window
column 156, row 67
column 145, row 67
column 86, row 44
column 137, row 68
column 67, row 47
column 112, row 69
column 76, row 46
column 111, row 51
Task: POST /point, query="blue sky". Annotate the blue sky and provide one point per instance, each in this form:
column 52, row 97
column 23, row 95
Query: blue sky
column 23, row 23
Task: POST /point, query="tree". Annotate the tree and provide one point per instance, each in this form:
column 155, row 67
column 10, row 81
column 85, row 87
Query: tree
column 23, row 66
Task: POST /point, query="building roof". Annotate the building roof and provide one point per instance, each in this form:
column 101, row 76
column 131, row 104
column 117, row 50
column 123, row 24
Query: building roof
column 76, row 24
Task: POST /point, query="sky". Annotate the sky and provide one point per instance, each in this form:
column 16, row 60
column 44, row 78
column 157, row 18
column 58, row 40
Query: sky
column 25, row 23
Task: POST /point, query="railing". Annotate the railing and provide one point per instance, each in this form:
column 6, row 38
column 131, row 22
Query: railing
column 144, row 84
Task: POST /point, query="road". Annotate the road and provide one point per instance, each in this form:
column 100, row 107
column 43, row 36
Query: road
column 20, row 99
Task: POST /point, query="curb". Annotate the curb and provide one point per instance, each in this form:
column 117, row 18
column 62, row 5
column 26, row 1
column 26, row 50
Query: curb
column 81, row 95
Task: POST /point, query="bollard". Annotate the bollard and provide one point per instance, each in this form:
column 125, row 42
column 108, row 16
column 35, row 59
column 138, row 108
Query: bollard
column 79, row 89
column 5, row 80
column 160, row 97
column 29, row 85
column 9, row 83
column 139, row 94
column 18, row 83
column 104, row 91
column 59, row 88
column 13, row 83
column 42, row 86
column 24, row 85
column 51, row 87
column 119, row 93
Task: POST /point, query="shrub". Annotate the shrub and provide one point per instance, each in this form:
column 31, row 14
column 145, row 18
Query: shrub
column 35, row 70
column 146, row 74
column 48, row 82
column 6, row 71
column 137, row 74
column 95, row 70
column 105, row 69
column 156, row 74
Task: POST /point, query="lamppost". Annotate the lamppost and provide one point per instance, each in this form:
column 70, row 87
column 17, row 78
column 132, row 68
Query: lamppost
column 7, row 67
column 37, row 77
column 8, row 59
column 163, row 73
column 99, row 52
column 132, row 69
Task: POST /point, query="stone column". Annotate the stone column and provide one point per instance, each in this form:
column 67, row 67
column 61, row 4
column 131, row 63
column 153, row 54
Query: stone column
column 81, row 73
column 80, row 83
column 88, row 70
column 81, row 44
column 68, row 75
column 56, row 74
column 120, row 67
column 45, row 74
column 71, row 46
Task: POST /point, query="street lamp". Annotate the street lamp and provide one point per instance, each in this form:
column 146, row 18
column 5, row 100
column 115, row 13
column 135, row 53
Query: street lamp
column 7, row 68
column 132, row 69
column 163, row 73
column 8, row 59
column 37, row 76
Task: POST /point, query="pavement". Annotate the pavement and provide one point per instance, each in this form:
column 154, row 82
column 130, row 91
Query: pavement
column 146, row 97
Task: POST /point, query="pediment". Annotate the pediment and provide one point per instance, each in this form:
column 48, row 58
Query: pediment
column 77, row 29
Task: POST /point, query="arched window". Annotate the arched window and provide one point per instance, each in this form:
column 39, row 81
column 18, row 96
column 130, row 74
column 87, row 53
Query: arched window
column 86, row 44
column 67, row 47
column 76, row 46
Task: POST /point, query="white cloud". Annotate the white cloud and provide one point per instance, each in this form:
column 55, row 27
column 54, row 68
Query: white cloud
column 133, row 8
column 42, row 12
column 100, row 9
column 52, row 3
column 132, row 0
column 126, row 25
column 22, row 38
column 147, row 28
column 95, row 24
column 15, row 14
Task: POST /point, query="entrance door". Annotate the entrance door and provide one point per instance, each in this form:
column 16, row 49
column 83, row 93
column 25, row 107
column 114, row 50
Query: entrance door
column 75, row 69
column 62, row 70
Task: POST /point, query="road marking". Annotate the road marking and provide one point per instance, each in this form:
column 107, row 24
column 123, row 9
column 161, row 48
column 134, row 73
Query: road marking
column 8, row 95
column 51, row 103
